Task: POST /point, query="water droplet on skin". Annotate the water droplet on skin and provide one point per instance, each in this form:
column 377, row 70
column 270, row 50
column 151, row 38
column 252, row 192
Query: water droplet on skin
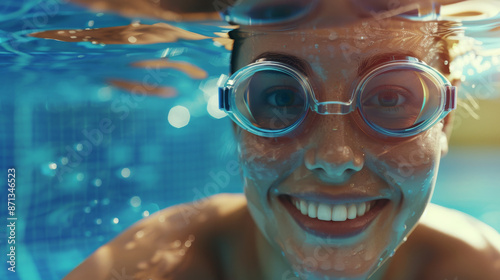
column 339, row 266
column 404, row 239
column 303, row 39
column 325, row 266
column 130, row 245
column 142, row 265
column 139, row 234
column 316, row 46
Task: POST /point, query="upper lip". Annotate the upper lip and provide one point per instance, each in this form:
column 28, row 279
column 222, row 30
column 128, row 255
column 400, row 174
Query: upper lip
column 334, row 194
column 340, row 198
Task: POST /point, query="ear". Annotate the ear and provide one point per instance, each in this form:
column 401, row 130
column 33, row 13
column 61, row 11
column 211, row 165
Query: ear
column 446, row 133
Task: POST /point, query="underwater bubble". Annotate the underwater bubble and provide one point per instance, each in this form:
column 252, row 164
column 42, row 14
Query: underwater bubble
column 88, row 233
column 104, row 93
column 98, row 221
column 105, row 201
column 125, row 172
column 80, row 176
column 86, row 209
column 178, row 116
column 64, row 160
column 135, row 201
column 97, row 182
column 47, row 169
column 316, row 46
column 52, row 165
column 115, row 220
column 145, row 213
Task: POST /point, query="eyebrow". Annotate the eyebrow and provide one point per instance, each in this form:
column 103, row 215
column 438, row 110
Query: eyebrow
column 368, row 63
column 294, row 61
column 303, row 66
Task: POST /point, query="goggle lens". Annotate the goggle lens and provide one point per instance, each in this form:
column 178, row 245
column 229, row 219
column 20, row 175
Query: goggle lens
column 271, row 99
column 399, row 99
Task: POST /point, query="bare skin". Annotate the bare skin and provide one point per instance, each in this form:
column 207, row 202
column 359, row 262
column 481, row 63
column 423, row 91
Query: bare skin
column 227, row 244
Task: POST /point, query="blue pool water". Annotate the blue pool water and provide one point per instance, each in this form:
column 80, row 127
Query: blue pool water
column 91, row 158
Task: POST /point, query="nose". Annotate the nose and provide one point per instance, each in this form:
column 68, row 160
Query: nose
column 334, row 154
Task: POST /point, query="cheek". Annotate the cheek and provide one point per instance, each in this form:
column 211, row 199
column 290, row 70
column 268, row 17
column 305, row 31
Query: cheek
column 267, row 159
column 410, row 168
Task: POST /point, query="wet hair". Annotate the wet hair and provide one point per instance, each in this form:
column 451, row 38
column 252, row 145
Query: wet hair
column 237, row 42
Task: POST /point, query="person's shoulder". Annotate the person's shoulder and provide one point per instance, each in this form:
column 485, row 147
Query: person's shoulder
column 459, row 246
column 164, row 244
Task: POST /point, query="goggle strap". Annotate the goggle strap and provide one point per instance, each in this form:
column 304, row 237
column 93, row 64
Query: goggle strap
column 224, row 99
column 451, row 98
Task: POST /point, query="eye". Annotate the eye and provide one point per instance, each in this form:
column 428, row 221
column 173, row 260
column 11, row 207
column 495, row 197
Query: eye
column 280, row 96
column 390, row 99
column 386, row 97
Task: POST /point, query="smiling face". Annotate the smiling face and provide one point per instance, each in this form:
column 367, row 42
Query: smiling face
column 371, row 189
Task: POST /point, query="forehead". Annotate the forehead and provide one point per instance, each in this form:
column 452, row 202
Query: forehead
column 345, row 45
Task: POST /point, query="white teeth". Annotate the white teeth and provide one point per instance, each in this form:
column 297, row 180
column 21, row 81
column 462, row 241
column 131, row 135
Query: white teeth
column 312, row 210
column 351, row 211
column 328, row 212
column 361, row 208
column 339, row 213
column 303, row 207
column 324, row 212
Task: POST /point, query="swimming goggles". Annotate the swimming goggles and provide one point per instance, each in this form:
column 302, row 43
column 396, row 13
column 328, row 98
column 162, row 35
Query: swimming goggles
column 398, row 98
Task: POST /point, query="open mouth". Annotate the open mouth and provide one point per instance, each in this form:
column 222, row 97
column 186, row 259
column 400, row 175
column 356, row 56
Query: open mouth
column 333, row 220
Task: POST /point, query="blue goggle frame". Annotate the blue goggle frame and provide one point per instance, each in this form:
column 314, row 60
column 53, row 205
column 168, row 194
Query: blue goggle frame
column 227, row 86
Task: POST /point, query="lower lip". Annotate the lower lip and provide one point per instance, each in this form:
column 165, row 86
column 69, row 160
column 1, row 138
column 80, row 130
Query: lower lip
column 331, row 229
